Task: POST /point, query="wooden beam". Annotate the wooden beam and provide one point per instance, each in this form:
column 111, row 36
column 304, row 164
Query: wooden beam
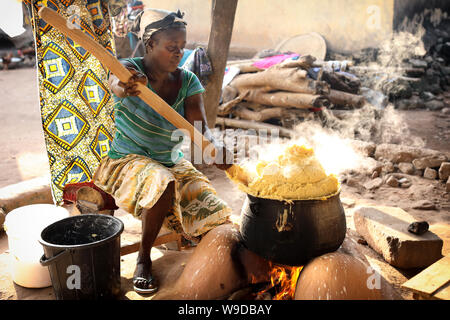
column 222, row 20
column 133, row 247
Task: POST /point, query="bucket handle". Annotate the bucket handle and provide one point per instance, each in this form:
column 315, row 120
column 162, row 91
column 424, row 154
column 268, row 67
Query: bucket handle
column 46, row 262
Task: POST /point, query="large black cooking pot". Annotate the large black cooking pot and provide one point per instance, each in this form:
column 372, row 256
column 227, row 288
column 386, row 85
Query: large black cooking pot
column 291, row 233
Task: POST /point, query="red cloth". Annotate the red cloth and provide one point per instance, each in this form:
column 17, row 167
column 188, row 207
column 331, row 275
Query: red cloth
column 70, row 194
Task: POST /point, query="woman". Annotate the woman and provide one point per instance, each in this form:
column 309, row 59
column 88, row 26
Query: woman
column 144, row 170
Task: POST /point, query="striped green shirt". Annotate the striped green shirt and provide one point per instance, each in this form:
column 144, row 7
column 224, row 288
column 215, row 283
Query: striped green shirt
column 141, row 130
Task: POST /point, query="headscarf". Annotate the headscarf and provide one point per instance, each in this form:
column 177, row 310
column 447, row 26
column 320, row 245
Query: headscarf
column 150, row 21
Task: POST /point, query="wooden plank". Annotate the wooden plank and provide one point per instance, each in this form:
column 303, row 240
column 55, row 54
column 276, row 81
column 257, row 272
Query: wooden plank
column 431, row 279
column 443, row 293
column 133, row 247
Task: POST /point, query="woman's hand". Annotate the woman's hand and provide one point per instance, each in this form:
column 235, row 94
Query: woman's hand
column 122, row 89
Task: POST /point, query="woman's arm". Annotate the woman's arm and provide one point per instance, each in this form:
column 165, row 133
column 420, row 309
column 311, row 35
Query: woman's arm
column 194, row 110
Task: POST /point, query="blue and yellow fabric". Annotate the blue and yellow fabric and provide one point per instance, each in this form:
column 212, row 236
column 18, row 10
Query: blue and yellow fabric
column 75, row 101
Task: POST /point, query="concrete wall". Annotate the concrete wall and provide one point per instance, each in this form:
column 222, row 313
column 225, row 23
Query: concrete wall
column 346, row 25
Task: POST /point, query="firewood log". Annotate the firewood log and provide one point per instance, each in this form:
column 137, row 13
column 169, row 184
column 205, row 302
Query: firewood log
column 265, row 114
column 244, row 124
column 341, row 82
column 346, row 99
column 287, row 99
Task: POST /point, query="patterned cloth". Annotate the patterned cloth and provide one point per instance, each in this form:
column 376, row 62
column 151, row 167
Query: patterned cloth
column 137, row 182
column 141, row 130
column 75, row 101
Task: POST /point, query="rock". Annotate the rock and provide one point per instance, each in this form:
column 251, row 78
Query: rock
column 434, row 105
column 24, row 193
column 398, row 153
column 430, row 174
column 406, row 167
column 424, row 205
column 352, row 182
column 418, row 173
column 386, row 231
column 403, row 180
column 416, row 63
column 430, row 161
column 375, row 174
column 418, row 227
column 392, row 182
column 366, row 148
column 427, row 96
column 446, row 110
column 444, row 171
column 447, row 185
column 388, row 167
column 373, row 184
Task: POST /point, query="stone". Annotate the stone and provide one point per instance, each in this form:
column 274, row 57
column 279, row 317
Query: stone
column 418, row 227
column 386, row 231
column 366, row 148
column 418, row 173
column 388, row 167
column 424, row 205
column 352, row 182
column 444, row 171
column 406, row 167
column 403, row 179
column 375, row 174
column 416, row 63
column 399, row 153
column 373, row 184
column 434, row 105
column 392, row 182
column 427, row 96
column 430, row 174
column 431, row 161
column 447, row 185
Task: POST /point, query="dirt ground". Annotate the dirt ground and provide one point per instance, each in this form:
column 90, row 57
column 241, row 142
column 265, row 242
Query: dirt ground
column 24, row 157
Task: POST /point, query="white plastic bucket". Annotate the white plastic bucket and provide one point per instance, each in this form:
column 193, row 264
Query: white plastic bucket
column 23, row 227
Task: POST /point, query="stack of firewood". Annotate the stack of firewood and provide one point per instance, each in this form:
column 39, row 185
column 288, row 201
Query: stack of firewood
column 284, row 91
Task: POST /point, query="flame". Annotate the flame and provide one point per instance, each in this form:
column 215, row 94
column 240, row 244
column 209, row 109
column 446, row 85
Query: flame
column 284, row 278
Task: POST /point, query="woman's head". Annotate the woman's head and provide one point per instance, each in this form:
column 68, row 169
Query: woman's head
column 164, row 36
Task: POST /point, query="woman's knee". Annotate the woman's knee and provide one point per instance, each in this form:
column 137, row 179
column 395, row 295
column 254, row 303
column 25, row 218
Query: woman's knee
column 168, row 194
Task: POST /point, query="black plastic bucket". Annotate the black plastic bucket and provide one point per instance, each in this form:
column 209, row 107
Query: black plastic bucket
column 83, row 256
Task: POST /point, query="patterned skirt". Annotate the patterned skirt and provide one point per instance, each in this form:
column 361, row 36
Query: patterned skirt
column 137, row 182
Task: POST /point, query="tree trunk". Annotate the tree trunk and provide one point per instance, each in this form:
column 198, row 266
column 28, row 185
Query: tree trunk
column 223, row 12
